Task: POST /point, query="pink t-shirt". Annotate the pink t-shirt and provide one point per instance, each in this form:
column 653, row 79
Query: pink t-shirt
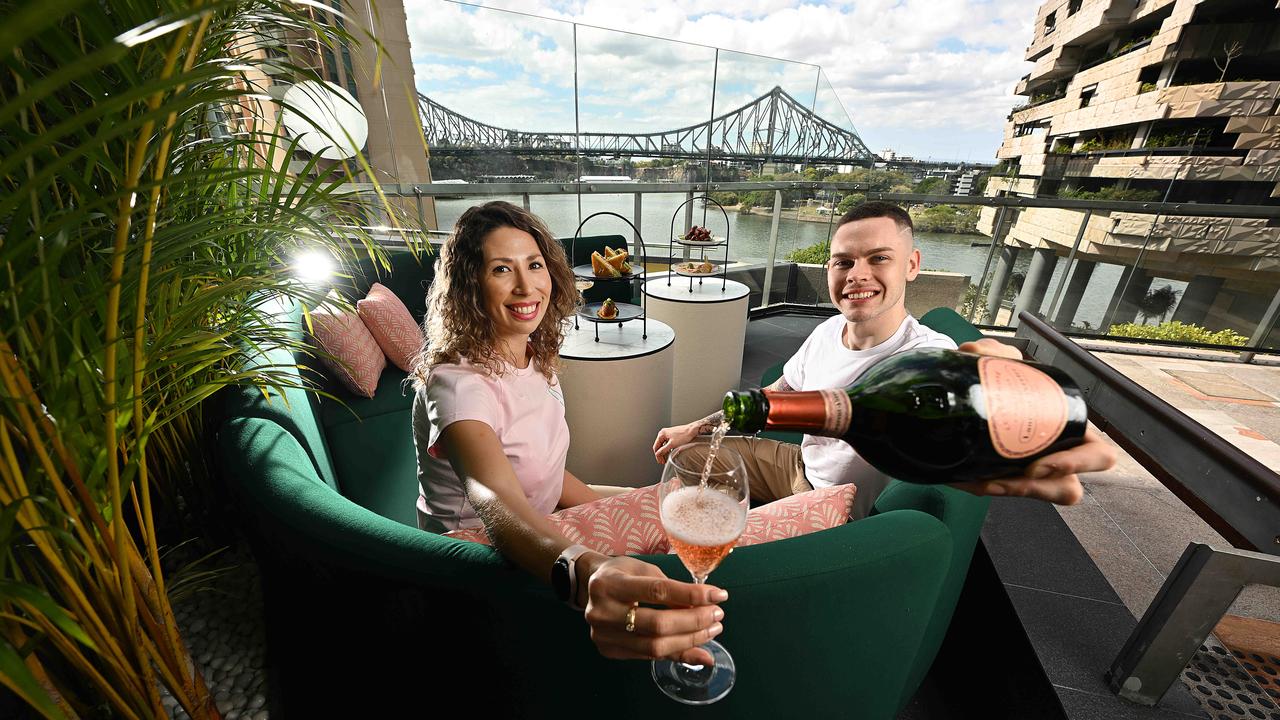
column 526, row 413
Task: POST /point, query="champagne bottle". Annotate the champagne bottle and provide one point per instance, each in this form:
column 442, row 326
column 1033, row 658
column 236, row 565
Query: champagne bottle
column 933, row 416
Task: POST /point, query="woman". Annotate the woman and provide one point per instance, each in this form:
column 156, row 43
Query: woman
column 491, row 436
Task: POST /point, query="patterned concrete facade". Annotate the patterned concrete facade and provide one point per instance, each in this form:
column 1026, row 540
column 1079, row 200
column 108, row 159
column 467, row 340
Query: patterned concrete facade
column 1143, row 99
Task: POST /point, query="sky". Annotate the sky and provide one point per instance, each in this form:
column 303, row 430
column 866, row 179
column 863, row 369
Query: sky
column 927, row 78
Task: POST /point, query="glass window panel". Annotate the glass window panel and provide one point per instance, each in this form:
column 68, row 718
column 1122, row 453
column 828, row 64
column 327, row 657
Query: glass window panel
column 498, row 99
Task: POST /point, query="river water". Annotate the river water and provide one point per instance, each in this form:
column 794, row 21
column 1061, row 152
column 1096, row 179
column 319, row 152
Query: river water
column 749, row 237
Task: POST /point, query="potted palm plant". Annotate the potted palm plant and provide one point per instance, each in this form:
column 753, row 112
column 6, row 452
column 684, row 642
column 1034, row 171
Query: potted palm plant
column 145, row 211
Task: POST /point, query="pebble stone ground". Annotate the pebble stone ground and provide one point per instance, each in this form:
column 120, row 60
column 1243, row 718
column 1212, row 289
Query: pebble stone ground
column 223, row 628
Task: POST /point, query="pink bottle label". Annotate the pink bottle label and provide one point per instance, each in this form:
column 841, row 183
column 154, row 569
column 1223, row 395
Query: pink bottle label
column 1026, row 409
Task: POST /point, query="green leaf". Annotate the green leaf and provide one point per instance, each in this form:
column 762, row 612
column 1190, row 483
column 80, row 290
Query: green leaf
column 15, row 674
column 38, row 599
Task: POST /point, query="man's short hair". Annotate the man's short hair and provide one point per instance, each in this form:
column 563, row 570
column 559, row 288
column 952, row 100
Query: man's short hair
column 875, row 209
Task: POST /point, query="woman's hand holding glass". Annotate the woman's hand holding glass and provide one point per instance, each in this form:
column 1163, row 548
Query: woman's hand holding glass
column 688, row 617
column 703, row 499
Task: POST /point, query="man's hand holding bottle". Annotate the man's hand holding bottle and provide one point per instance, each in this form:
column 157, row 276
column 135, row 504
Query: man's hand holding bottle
column 1053, row 478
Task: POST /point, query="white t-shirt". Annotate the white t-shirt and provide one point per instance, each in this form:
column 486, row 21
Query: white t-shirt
column 823, row 362
column 526, row 413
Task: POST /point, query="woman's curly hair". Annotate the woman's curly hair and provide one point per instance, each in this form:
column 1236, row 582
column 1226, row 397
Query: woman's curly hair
column 456, row 325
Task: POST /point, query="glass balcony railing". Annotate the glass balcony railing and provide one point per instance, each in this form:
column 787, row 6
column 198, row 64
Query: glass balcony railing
column 1093, row 268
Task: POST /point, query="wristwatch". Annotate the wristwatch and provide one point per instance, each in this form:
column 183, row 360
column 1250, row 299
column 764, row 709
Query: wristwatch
column 564, row 575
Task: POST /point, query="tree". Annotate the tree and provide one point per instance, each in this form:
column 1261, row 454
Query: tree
column 931, row 186
column 145, row 247
column 1158, row 303
column 850, row 201
column 1232, row 51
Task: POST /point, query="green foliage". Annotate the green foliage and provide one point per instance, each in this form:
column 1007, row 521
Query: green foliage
column 1183, row 137
column 1111, row 192
column 817, row 174
column 1102, row 142
column 849, row 202
column 1178, row 331
column 946, row 218
column 817, row 253
column 873, row 179
column 1158, row 303
column 1007, row 167
column 931, row 186
column 1146, row 87
column 145, row 242
column 725, row 198
column 975, row 303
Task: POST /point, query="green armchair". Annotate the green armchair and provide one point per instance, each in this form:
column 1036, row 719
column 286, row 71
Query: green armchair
column 366, row 613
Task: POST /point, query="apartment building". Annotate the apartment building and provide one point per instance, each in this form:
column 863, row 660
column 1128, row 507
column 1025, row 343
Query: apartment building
column 1146, row 100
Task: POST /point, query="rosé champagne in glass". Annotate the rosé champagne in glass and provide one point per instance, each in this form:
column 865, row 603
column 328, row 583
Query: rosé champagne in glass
column 703, row 500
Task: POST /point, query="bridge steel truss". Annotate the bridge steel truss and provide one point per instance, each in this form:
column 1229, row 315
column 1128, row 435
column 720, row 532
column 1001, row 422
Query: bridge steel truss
column 771, row 128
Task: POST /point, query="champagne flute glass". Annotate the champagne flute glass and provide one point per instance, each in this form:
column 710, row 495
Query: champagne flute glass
column 703, row 501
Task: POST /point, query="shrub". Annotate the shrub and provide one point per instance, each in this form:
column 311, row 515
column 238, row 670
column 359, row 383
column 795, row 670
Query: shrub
column 816, row 254
column 1146, row 87
column 1112, row 193
column 849, row 202
column 1180, row 332
column 946, row 218
column 725, row 198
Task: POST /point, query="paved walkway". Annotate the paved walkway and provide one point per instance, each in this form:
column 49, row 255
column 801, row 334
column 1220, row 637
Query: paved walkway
column 1130, row 524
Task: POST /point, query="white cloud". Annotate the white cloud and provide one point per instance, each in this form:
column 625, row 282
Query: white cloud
column 927, row 74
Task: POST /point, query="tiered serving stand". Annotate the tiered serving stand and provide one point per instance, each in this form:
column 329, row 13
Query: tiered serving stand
column 721, row 268
column 626, row 311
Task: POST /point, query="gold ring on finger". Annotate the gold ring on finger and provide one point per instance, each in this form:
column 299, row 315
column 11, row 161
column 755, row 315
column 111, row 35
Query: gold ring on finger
column 631, row 617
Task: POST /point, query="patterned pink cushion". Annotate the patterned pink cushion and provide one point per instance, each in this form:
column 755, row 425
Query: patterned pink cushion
column 350, row 352
column 624, row 524
column 628, row 524
column 391, row 324
column 799, row 515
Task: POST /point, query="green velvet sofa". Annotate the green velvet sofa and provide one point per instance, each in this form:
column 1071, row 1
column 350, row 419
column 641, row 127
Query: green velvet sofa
column 367, row 614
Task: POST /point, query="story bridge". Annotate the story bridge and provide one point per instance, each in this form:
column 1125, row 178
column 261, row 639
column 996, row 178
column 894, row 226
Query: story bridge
column 772, row 128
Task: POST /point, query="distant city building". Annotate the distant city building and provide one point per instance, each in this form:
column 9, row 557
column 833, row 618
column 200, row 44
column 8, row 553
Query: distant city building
column 605, row 179
column 890, row 155
column 505, row 178
column 1124, row 98
column 963, row 183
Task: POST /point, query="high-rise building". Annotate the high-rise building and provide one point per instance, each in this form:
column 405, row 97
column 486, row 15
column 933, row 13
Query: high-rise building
column 1139, row 100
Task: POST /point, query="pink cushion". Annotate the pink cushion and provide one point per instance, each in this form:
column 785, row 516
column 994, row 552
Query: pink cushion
column 624, row 524
column 391, row 324
column 799, row 515
column 350, row 352
column 628, row 524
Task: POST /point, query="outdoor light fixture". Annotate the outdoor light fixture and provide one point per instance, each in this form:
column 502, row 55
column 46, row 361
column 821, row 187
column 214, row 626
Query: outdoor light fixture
column 313, row 267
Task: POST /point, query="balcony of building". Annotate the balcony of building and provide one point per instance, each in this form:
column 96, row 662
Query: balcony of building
column 1076, row 23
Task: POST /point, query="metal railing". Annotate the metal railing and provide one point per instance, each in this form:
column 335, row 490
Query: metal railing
column 1007, row 210
column 1235, row 494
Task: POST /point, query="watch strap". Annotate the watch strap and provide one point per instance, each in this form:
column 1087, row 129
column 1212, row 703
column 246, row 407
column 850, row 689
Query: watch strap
column 570, row 556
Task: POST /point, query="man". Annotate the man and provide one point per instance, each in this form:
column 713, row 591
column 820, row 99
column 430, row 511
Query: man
column 873, row 257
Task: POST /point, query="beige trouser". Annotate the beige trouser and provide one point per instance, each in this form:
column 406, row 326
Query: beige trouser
column 775, row 470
